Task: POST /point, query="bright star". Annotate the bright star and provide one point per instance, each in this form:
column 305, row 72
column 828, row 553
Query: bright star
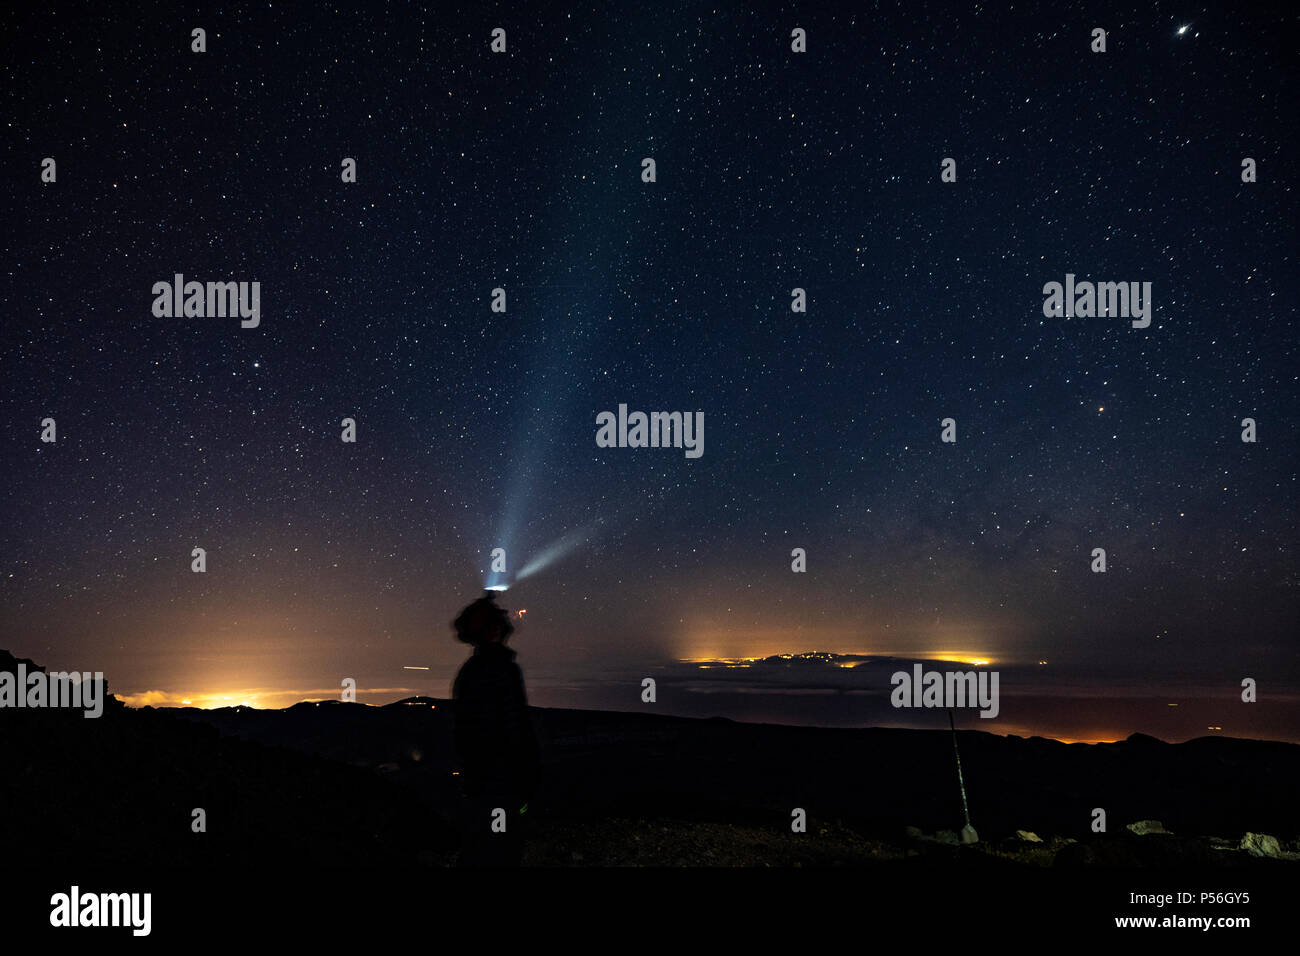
column 1182, row 30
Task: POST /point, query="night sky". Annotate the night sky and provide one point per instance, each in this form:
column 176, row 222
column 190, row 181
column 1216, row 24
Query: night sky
column 476, row 429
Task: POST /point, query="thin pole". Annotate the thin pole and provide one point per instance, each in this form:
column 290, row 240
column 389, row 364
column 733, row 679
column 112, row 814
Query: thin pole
column 961, row 784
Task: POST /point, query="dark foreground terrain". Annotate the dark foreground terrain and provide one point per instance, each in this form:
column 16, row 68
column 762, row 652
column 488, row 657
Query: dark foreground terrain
column 337, row 784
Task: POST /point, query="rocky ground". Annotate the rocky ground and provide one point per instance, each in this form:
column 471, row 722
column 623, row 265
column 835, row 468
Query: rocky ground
column 634, row 842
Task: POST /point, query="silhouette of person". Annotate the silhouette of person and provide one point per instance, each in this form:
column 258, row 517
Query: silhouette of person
column 495, row 740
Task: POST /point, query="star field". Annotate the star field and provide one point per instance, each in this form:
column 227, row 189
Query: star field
column 775, row 170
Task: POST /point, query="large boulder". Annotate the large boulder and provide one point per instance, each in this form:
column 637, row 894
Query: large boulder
column 1261, row 844
column 1144, row 827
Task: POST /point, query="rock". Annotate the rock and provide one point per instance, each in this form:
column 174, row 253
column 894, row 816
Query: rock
column 1028, row 836
column 913, row 833
column 1261, row 844
column 945, row 836
column 1143, row 827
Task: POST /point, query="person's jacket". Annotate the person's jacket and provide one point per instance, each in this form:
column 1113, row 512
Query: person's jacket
column 495, row 740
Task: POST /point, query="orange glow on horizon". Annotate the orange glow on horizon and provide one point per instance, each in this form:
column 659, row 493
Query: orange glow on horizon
column 973, row 661
column 1090, row 739
column 258, row 698
column 953, row 657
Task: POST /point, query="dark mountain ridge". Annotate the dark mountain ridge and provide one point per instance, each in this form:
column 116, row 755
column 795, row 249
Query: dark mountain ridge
column 337, row 783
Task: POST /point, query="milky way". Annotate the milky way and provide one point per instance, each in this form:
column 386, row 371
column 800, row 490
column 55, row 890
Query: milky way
column 476, row 429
